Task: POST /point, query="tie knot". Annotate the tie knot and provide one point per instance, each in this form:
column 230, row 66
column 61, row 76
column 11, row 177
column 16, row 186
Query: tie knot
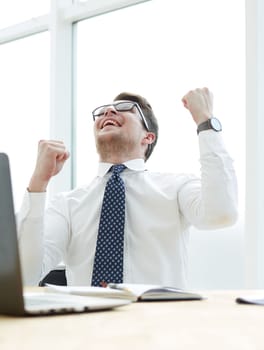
column 118, row 168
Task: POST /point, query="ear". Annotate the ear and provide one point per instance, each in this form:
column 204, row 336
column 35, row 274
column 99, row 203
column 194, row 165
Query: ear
column 149, row 138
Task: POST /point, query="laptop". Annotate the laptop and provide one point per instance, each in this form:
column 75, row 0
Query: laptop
column 12, row 299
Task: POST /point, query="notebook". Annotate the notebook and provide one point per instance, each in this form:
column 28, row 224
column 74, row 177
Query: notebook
column 12, row 299
column 133, row 292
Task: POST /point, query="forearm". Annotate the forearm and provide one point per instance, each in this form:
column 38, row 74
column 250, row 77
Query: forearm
column 30, row 235
column 212, row 203
column 43, row 235
column 37, row 185
column 219, row 182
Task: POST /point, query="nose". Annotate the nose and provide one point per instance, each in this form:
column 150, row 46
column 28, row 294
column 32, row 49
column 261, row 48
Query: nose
column 109, row 110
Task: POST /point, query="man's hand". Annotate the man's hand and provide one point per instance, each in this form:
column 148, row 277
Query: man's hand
column 200, row 104
column 51, row 158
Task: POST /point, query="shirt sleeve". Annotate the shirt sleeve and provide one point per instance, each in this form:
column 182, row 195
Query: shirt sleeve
column 30, row 228
column 37, row 258
column 211, row 203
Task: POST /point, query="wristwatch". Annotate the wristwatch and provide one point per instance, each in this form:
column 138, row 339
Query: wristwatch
column 212, row 123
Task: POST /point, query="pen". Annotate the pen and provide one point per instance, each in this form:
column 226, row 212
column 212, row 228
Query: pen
column 118, row 287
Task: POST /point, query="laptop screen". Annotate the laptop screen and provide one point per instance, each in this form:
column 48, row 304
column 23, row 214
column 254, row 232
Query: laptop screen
column 11, row 296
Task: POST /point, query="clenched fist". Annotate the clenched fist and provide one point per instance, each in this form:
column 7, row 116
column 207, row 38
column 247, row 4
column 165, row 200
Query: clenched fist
column 200, row 104
column 50, row 160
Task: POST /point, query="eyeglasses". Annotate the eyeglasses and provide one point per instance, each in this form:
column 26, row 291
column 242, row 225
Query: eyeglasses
column 121, row 106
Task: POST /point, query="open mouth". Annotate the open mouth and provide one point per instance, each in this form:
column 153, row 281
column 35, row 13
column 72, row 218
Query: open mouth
column 110, row 122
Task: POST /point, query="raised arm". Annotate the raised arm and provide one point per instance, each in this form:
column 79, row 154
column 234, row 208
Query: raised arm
column 212, row 202
column 52, row 155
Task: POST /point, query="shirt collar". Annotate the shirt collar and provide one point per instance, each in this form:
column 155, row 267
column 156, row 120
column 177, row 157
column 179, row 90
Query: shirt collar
column 134, row 164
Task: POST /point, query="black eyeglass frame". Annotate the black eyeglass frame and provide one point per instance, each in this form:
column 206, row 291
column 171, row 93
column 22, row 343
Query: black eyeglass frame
column 115, row 104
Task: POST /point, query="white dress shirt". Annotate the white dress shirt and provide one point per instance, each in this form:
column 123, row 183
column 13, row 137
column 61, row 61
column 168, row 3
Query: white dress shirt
column 160, row 207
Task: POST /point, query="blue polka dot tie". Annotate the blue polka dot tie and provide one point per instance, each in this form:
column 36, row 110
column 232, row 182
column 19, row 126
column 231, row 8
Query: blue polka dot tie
column 108, row 262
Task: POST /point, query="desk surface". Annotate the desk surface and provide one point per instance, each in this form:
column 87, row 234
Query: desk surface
column 215, row 323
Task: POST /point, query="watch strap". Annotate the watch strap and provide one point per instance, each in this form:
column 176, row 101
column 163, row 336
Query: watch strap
column 204, row 126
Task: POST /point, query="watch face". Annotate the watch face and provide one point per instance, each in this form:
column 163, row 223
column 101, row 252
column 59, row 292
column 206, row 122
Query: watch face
column 216, row 125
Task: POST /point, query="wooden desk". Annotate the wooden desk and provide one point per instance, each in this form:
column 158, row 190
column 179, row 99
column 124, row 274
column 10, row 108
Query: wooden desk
column 215, row 323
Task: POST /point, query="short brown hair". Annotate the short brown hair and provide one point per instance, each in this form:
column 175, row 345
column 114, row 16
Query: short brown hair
column 148, row 114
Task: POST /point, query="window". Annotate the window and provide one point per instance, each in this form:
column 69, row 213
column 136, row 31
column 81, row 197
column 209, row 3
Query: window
column 15, row 11
column 24, row 107
column 188, row 48
column 160, row 49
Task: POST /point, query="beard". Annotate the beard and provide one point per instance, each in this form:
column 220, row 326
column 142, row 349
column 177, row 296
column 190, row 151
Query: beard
column 114, row 144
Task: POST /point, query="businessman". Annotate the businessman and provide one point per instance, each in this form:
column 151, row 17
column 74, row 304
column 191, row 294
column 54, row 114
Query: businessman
column 154, row 211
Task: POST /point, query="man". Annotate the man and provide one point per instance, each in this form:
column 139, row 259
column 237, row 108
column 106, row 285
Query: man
column 159, row 208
